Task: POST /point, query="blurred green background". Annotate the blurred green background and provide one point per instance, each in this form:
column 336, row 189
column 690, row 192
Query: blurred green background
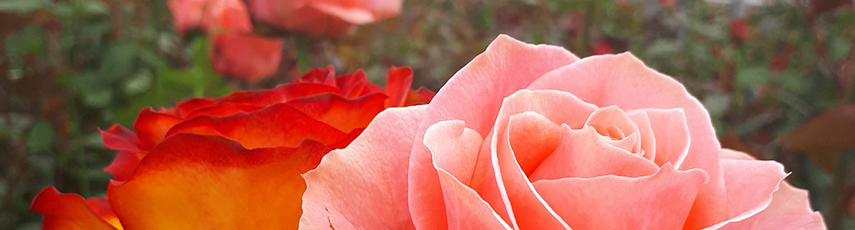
column 776, row 76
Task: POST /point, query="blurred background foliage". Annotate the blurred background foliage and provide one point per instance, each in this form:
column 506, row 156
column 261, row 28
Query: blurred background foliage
column 776, row 76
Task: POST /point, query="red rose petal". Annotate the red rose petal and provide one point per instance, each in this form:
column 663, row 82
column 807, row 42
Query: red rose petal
column 70, row 211
column 205, row 182
column 274, row 126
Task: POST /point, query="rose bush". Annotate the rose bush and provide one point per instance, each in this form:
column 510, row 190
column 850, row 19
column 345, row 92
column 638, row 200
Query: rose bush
column 231, row 162
column 531, row 137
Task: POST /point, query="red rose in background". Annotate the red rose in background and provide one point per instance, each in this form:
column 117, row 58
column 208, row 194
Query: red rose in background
column 234, row 51
column 230, row 162
column 210, row 15
column 740, row 29
column 322, row 17
column 246, row 57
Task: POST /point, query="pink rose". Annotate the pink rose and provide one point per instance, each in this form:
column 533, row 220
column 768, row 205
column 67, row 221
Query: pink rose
column 531, row 137
column 322, row 17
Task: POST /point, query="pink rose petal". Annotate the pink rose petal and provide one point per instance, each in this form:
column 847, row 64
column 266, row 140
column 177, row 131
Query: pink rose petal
column 658, row 201
column 474, row 95
column 625, row 81
column 584, row 154
column 363, row 184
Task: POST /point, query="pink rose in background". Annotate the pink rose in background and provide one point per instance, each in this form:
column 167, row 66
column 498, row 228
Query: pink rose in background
column 322, row 17
column 531, row 137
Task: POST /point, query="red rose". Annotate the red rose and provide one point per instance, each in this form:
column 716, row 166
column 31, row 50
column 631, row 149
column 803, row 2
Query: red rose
column 229, row 162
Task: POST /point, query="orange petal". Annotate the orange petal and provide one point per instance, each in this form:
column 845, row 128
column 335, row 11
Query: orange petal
column 274, row 126
column 206, row 182
column 152, row 127
column 339, row 112
column 71, row 212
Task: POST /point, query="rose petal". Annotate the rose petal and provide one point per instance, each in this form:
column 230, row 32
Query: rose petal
column 230, row 15
column 223, row 109
column 71, row 211
column 474, row 95
column 455, row 149
column 298, row 16
column 584, row 154
column 356, row 16
column 789, row 209
column 205, row 182
column 466, row 209
column 339, row 112
column 187, row 14
column 124, row 164
column 736, row 155
column 152, row 127
column 281, row 93
column 749, row 185
column 555, row 106
column 625, row 81
column 648, row 139
column 533, row 138
column 370, row 172
column 672, row 135
column 324, row 76
column 184, row 108
column 611, row 121
column 119, row 138
column 353, row 85
column 398, row 83
column 274, row 126
column 246, row 57
column 658, row 201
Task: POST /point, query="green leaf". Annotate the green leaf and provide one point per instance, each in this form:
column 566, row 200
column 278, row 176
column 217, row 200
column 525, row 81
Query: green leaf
column 31, row 40
column 661, row 48
column 40, row 137
column 89, row 6
column 747, row 78
column 717, row 104
column 97, row 98
column 139, row 82
column 23, row 6
column 118, row 62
